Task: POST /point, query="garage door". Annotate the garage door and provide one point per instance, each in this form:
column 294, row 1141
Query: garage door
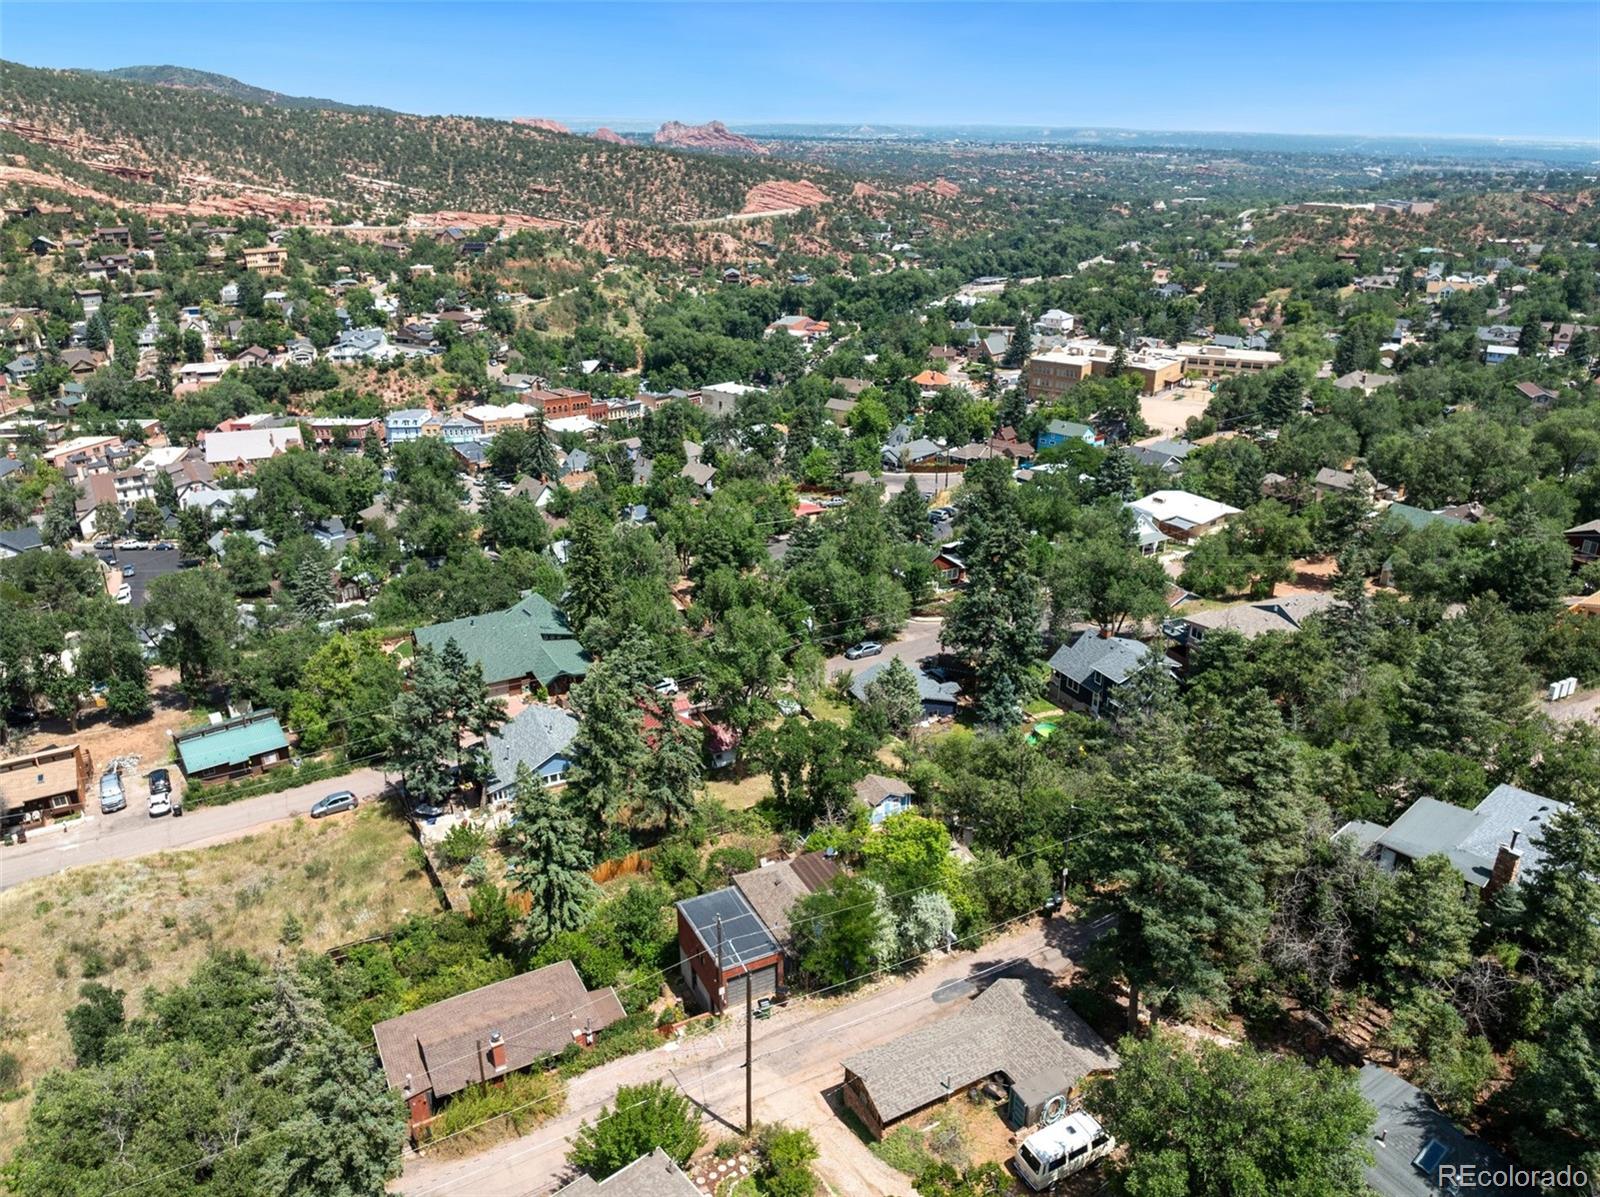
column 763, row 982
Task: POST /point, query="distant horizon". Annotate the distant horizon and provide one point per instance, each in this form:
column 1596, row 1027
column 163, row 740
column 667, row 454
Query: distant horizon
column 1064, row 130
column 1312, row 69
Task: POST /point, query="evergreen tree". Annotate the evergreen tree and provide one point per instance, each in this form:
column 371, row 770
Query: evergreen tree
column 1561, row 901
column 994, row 624
column 546, row 859
column 425, row 742
column 342, row 1126
column 1021, row 344
column 674, row 769
column 1530, row 339
column 311, row 588
column 1424, row 929
column 61, row 516
column 1183, row 890
column 590, row 571
column 608, row 753
column 539, row 458
column 894, row 693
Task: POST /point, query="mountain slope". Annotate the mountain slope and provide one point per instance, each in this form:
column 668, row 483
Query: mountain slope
column 178, row 145
column 187, row 78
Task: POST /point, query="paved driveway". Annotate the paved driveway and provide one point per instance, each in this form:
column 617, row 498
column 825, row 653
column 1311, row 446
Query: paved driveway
column 132, row 833
column 920, row 638
column 797, row 1071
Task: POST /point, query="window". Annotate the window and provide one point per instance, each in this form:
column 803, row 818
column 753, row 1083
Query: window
column 61, row 800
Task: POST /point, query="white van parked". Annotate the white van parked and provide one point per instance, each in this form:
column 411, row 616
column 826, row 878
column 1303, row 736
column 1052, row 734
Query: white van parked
column 1062, row 1149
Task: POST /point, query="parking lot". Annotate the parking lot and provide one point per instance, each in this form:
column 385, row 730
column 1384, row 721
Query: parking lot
column 148, row 564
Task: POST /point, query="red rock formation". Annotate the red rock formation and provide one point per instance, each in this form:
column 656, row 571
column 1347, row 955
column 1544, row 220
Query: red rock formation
column 607, row 135
column 713, row 135
column 778, row 196
column 943, row 188
column 541, row 122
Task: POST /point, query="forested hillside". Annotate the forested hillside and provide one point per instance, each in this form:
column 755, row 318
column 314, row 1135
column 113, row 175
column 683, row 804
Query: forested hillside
column 187, row 78
column 174, row 144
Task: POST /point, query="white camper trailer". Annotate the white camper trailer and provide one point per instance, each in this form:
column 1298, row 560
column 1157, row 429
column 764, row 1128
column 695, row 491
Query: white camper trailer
column 1062, row 1149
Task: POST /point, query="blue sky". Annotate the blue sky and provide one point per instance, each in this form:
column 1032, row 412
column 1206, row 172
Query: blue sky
column 1451, row 69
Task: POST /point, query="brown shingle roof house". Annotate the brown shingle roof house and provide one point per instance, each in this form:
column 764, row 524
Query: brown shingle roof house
column 773, row 890
column 485, row 1033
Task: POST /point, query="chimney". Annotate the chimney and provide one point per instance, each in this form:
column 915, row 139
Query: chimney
column 1507, row 863
column 497, row 1051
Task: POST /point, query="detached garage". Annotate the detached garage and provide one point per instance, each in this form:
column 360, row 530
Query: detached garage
column 723, row 946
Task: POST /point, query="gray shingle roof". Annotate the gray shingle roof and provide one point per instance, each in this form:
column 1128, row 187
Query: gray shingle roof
column 1471, row 838
column 653, row 1175
column 533, row 737
column 1407, row 1123
column 1021, row 1030
column 444, row 1046
column 927, row 689
column 1115, row 658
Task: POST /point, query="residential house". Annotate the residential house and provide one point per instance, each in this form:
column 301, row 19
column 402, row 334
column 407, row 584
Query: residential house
column 41, row 786
column 1398, row 516
column 884, row 796
column 774, row 889
column 918, row 452
column 801, row 327
column 538, row 737
column 1054, row 323
column 1349, row 482
column 216, row 503
column 1058, row 432
column 218, row 540
column 1584, row 540
column 721, row 399
column 1419, row 1152
column 949, row 564
column 16, row 541
column 1287, row 614
column 939, row 698
column 477, row 1037
column 243, row 449
column 653, row 1175
column 361, row 345
column 21, row 368
column 1087, row 671
column 839, row 410
column 1494, row 355
column 264, row 259
column 1164, row 455
column 527, row 646
column 1496, row 844
column 1537, row 395
column 253, row 358
column 228, row 748
column 1181, row 515
column 724, row 949
column 1364, row 381
column 1015, row 1029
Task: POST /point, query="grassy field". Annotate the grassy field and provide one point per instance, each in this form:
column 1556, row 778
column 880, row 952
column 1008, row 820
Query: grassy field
column 144, row 923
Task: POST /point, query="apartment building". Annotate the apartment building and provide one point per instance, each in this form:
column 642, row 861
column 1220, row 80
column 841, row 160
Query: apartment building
column 1051, row 374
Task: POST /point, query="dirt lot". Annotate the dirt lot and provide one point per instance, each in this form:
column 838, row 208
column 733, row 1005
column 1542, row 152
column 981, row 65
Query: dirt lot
column 105, row 738
column 1169, row 411
column 148, row 922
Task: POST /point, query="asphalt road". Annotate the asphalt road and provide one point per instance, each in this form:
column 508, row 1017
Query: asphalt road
column 148, row 565
column 919, row 638
column 131, row 833
column 797, row 1069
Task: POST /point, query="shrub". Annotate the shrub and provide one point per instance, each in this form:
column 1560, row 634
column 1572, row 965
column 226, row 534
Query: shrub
column 10, row 1075
column 461, row 843
column 645, row 1117
column 786, row 1159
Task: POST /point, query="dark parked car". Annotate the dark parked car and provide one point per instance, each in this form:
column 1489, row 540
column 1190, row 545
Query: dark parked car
column 867, row 648
column 160, row 781
column 339, row 800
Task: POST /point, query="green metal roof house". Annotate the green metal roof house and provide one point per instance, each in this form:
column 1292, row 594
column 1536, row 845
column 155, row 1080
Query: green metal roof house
column 526, row 645
column 249, row 744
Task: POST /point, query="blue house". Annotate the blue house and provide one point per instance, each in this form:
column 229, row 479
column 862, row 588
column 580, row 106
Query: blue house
column 1058, row 432
column 540, row 738
column 1086, row 672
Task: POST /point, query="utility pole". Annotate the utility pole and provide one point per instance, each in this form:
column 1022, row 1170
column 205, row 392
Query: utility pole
column 722, row 990
column 749, row 1031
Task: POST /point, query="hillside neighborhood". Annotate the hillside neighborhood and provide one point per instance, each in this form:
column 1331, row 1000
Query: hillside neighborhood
column 1098, row 693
